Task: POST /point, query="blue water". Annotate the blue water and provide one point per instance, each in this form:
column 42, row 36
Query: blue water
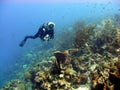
column 20, row 19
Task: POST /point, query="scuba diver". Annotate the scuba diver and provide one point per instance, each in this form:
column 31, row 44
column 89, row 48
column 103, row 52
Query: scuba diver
column 45, row 33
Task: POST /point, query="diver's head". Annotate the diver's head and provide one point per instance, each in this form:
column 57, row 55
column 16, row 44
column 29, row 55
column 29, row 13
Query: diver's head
column 51, row 25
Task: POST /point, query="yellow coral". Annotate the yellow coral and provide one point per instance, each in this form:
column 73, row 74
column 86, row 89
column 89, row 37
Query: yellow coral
column 27, row 75
column 69, row 71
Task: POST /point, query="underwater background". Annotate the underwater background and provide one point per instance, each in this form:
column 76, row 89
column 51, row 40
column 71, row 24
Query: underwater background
column 20, row 19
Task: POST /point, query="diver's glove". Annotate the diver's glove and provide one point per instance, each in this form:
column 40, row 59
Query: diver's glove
column 46, row 38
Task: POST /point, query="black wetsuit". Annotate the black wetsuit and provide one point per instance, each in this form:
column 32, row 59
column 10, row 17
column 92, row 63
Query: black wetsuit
column 42, row 32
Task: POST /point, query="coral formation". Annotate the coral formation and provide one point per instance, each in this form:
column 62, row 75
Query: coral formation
column 15, row 85
column 92, row 63
column 27, row 75
column 118, row 36
column 83, row 35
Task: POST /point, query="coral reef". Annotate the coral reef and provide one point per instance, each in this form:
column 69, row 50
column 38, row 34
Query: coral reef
column 91, row 63
column 106, row 38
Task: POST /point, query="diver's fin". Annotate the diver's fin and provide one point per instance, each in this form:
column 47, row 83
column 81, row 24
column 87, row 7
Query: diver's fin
column 22, row 43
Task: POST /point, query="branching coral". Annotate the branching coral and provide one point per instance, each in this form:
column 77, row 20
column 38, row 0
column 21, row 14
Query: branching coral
column 106, row 38
column 83, row 35
column 107, row 24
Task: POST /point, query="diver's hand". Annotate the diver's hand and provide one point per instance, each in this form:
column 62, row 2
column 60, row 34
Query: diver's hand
column 47, row 37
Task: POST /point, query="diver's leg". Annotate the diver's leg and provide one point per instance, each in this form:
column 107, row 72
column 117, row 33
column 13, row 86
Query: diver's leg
column 25, row 39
